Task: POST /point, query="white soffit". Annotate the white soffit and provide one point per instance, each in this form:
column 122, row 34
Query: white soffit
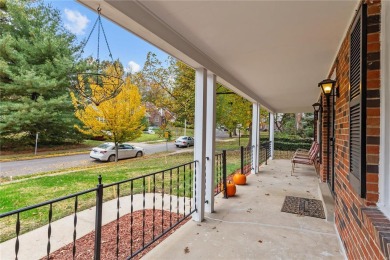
column 271, row 52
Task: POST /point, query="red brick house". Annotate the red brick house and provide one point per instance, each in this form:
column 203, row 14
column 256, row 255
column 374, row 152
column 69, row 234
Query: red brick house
column 157, row 116
column 358, row 162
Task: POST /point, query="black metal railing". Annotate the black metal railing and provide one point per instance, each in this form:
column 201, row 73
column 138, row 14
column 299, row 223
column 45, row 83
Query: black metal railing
column 265, row 152
column 246, row 159
column 154, row 204
column 220, row 174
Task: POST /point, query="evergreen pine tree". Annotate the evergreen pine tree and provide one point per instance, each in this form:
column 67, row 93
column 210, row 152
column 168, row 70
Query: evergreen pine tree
column 36, row 53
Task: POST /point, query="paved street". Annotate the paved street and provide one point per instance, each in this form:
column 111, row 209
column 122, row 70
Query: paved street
column 17, row 168
column 25, row 167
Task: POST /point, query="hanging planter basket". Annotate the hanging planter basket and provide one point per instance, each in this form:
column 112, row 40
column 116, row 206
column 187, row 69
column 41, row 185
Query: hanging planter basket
column 93, row 80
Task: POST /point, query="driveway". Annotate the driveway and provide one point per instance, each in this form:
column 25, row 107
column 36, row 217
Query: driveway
column 17, row 168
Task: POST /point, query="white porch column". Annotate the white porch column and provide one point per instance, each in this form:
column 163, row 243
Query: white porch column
column 210, row 142
column 271, row 133
column 255, row 137
column 200, row 142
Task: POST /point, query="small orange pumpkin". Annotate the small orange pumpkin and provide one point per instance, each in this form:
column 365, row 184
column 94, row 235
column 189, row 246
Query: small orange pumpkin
column 239, row 179
column 231, row 189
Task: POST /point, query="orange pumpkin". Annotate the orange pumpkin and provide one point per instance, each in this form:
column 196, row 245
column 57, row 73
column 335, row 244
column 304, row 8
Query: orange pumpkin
column 239, row 179
column 231, row 189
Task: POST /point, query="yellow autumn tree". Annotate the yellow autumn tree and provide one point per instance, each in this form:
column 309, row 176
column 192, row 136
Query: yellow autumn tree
column 118, row 119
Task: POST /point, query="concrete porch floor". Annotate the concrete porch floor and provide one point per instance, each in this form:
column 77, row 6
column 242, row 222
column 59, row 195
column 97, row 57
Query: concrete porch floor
column 251, row 225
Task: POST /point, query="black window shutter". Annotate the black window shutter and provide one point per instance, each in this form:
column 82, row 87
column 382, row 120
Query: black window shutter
column 357, row 102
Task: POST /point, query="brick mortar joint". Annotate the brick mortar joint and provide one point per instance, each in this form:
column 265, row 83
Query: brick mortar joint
column 369, row 216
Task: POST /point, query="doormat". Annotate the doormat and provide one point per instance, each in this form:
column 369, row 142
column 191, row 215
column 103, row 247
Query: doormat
column 303, row 206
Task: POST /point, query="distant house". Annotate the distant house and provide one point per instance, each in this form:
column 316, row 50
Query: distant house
column 157, row 116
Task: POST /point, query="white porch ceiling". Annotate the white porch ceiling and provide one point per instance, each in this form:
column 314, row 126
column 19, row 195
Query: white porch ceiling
column 271, row 52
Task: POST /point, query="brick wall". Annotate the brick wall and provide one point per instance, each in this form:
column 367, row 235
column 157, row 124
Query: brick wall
column 324, row 139
column 353, row 215
column 373, row 101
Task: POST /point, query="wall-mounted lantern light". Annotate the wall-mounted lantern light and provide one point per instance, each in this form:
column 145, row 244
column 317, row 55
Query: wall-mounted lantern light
column 327, row 86
column 316, row 106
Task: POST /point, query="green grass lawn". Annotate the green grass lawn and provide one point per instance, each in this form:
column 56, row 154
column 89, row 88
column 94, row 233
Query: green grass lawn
column 231, row 144
column 48, row 151
column 175, row 133
column 33, row 190
column 148, row 138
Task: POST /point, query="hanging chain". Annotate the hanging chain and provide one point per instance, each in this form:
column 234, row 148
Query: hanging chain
column 98, row 41
column 100, row 27
column 89, row 36
column 105, row 38
column 100, row 76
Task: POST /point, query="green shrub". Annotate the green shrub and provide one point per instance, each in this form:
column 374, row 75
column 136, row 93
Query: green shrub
column 286, row 146
column 295, row 141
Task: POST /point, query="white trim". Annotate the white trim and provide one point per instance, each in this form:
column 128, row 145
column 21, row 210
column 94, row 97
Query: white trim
column 210, row 142
column 200, row 142
column 272, row 133
column 255, row 137
column 384, row 153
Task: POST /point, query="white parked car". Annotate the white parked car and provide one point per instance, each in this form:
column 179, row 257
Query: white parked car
column 106, row 152
column 184, row 141
column 150, row 131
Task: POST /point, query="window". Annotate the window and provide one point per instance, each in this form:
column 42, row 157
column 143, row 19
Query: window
column 357, row 103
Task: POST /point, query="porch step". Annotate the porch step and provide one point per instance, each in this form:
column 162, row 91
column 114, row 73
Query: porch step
column 328, row 201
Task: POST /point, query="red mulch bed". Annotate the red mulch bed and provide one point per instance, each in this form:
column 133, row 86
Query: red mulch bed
column 85, row 244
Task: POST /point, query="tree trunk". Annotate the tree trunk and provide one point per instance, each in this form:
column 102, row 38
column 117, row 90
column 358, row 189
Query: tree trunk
column 116, row 151
column 277, row 123
column 298, row 120
column 250, row 134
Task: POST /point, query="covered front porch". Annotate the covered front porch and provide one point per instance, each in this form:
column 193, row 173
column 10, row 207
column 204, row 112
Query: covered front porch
column 252, row 226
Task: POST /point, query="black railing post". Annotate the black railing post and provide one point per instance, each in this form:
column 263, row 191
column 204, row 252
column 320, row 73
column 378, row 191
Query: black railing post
column 266, row 154
column 242, row 159
column 224, row 174
column 98, row 218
